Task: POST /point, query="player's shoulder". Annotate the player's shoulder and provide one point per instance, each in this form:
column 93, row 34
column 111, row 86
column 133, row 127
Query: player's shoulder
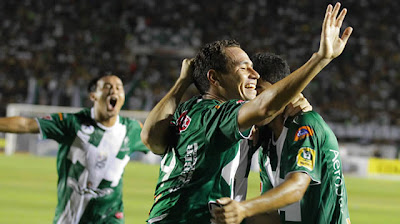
column 83, row 114
column 309, row 118
column 129, row 121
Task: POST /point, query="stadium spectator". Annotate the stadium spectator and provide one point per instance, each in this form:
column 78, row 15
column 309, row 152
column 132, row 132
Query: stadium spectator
column 200, row 165
column 94, row 147
column 69, row 40
column 300, row 166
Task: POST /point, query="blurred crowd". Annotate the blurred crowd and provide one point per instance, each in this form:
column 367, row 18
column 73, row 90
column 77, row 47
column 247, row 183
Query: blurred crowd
column 49, row 50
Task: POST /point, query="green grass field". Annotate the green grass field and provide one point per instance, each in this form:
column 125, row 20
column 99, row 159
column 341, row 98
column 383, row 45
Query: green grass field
column 28, row 192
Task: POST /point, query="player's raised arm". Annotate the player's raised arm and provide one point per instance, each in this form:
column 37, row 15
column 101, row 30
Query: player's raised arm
column 281, row 93
column 18, row 125
column 155, row 129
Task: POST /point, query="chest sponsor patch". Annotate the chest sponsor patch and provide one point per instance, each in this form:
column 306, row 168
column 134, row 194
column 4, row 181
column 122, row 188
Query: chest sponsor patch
column 306, row 158
column 303, row 132
column 183, row 121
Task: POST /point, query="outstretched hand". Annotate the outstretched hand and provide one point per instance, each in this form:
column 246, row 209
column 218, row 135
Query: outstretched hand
column 331, row 45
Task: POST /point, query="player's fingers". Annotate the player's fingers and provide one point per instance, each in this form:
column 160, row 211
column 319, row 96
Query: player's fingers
column 224, row 201
column 292, row 111
column 346, row 34
column 334, row 14
column 327, row 17
column 341, row 17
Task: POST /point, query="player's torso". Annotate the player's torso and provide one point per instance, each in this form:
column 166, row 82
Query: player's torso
column 90, row 166
column 196, row 167
column 318, row 152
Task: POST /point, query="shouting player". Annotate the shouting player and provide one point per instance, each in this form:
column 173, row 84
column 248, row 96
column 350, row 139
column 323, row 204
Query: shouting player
column 94, row 147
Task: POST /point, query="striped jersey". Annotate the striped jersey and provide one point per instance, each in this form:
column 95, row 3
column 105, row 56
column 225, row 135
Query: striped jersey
column 90, row 163
column 307, row 145
column 201, row 165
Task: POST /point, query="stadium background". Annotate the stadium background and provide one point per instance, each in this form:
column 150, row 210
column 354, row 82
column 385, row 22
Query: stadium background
column 49, row 50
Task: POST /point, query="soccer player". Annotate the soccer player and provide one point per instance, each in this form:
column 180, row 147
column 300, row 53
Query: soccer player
column 300, row 159
column 94, row 147
column 199, row 165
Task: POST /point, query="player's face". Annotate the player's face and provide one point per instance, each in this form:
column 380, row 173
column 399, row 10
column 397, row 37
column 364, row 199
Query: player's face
column 241, row 81
column 109, row 96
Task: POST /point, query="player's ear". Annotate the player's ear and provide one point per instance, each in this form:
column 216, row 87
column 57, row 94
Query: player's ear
column 92, row 96
column 212, row 76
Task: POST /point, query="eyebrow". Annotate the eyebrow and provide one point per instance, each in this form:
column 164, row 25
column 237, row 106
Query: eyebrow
column 109, row 83
column 246, row 63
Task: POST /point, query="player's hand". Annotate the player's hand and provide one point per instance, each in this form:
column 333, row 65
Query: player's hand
column 187, row 71
column 298, row 104
column 331, row 45
column 231, row 212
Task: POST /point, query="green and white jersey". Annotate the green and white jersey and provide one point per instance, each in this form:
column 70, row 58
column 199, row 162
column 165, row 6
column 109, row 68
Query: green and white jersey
column 201, row 166
column 90, row 165
column 308, row 145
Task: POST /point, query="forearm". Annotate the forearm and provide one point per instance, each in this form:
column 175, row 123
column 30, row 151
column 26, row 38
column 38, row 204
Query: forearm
column 282, row 92
column 155, row 129
column 271, row 101
column 18, row 125
column 290, row 191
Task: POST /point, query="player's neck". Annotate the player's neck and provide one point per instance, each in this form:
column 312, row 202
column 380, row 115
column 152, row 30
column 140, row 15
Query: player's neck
column 276, row 126
column 212, row 96
column 107, row 121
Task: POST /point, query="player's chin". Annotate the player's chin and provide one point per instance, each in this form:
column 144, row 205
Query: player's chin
column 112, row 112
column 250, row 94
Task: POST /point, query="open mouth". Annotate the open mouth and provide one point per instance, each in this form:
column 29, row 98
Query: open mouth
column 112, row 102
column 250, row 86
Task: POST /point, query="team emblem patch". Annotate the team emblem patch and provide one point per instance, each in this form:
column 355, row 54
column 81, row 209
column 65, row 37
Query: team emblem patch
column 183, row 121
column 306, row 158
column 303, row 132
column 119, row 215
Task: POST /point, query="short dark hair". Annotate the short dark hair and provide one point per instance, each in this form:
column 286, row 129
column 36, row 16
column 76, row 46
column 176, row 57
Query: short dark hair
column 211, row 56
column 93, row 83
column 270, row 66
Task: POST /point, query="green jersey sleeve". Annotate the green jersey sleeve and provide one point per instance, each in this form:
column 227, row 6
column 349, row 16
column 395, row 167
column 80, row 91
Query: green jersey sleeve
column 56, row 126
column 135, row 142
column 305, row 138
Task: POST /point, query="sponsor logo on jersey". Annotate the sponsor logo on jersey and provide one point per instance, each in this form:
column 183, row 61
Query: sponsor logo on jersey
column 303, row 132
column 101, row 160
column 87, row 129
column 306, row 158
column 183, row 121
column 240, row 101
column 217, row 107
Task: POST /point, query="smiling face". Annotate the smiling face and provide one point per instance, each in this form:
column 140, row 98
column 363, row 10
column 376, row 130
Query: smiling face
column 241, row 80
column 108, row 98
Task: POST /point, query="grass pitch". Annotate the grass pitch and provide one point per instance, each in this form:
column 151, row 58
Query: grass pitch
column 28, row 192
